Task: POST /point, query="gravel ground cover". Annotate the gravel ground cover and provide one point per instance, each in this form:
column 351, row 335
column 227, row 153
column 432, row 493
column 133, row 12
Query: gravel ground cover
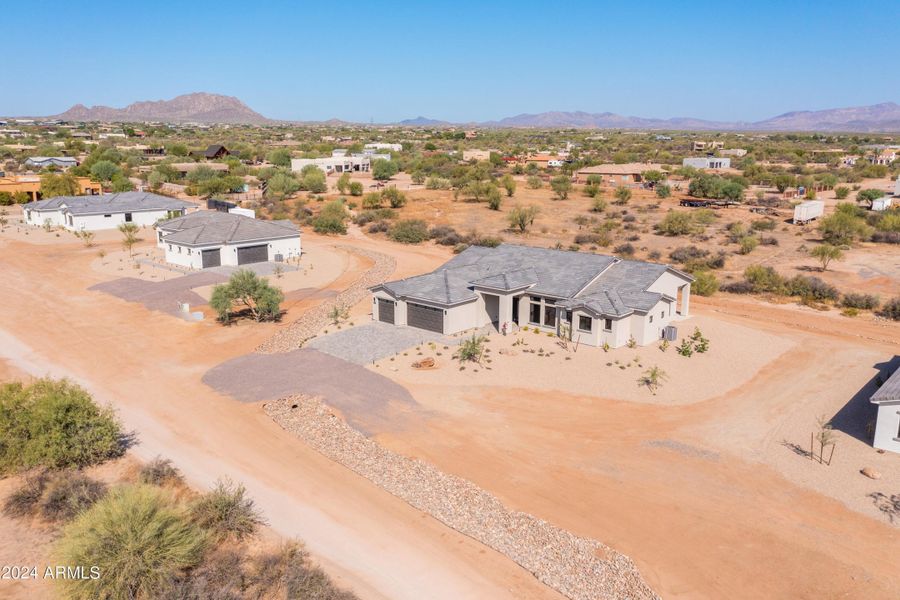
column 580, row 568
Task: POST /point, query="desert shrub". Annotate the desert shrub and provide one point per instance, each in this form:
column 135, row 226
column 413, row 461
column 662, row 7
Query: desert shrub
column 437, row 183
column 811, row 287
column 596, row 239
column 445, row 235
column 684, row 254
column 748, row 244
column 676, row 223
column 23, row 500
column 735, row 232
column 891, row 310
column 622, row 195
column 471, row 349
column 841, row 192
column 739, row 287
column 598, row 205
column 411, row 231
column 624, row 249
column 522, row 217
column 356, row 188
column 860, row 301
column 483, row 240
column 886, row 237
column 663, row 191
column 764, row 279
column 534, row 182
column 768, row 240
column 227, row 512
column 704, row 216
column 379, row 227
column 395, row 197
column 367, row 216
column 159, row 471
column 844, row 226
column 246, row 292
column 138, row 537
column 704, row 284
column 763, row 225
column 67, row 493
column 54, row 424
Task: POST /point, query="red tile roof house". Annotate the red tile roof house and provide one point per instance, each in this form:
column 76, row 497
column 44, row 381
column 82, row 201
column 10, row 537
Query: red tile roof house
column 593, row 298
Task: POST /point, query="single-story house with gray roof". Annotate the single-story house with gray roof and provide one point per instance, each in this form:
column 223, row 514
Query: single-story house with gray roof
column 41, row 162
column 210, row 238
column 592, row 298
column 105, row 211
column 887, row 424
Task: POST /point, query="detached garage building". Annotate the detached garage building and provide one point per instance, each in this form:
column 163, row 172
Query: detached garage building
column 591, row 298
column 211, row 238
column 107, row 211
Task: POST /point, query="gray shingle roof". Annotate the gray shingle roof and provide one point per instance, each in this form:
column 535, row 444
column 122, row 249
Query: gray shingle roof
column 889, row 391
column 213, row 227
column 109, row 203
column 611, row 286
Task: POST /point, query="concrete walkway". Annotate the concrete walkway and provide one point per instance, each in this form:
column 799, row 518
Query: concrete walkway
column 367, row 343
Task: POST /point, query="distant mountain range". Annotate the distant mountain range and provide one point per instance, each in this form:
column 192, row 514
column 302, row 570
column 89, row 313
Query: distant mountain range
column 214, row 108
column 199, row 107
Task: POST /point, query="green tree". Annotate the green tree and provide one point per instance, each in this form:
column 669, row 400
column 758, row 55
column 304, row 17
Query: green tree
column 561, row 186
column 522, row 217
column 382, row 169
column 509, row 184
column 104, row 170
column 54, row 424
column 245, row 290
column 356, row 188
column 826, row 253
column 783, row 181
column 129, row 237
column 281, row 185
column 343, row 183
column 280, row 157
column 704, row 284
column 843, row 228
column 663, row 191
column 53, row 185
column 868, row 196
column 120, row 183
column 331, row 219
column 312, row 179
column 653, row 176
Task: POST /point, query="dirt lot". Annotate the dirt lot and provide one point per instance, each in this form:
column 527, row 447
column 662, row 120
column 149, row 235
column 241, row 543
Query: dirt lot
column 149, row 366
column 699, row 485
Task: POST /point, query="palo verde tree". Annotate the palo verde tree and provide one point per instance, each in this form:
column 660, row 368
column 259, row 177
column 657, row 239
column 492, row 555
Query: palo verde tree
column 247, row 292
column 521, row 217
column 129, row 237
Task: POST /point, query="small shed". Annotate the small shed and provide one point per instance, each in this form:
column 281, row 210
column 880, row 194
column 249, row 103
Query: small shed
column 887, row 425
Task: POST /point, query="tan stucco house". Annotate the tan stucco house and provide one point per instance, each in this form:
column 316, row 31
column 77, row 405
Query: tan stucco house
column 592, row 298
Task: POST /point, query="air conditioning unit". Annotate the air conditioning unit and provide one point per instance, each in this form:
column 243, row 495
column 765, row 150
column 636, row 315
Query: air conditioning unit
column 670, row 333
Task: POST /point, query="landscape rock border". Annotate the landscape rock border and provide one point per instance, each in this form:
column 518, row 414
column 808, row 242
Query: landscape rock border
column 580, row 568
column 313, row 320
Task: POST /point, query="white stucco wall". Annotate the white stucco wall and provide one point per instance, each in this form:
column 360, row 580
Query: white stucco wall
column 33, row 217
column 887, row 428
column 188, row 256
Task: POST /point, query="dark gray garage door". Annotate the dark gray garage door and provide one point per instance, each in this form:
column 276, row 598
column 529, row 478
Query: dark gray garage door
column 386, row 311
column 425, row 317
column 253, row 254
column 211, row 258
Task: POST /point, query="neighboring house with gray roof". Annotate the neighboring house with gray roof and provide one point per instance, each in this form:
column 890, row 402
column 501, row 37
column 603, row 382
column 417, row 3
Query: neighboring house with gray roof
column 210, row 238
column 104, row 211
column 887, row 425
column 595, row 299
column 41, row 162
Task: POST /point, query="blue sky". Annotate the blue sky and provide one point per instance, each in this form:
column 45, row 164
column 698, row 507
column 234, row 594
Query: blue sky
column 457, row 60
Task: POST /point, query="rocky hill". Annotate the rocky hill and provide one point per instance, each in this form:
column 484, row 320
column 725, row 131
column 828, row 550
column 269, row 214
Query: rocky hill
column 198, row 107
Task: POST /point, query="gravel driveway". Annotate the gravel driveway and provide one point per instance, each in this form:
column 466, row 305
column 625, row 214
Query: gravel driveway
column 165, row 296
column 370, row 402
column 367, row 343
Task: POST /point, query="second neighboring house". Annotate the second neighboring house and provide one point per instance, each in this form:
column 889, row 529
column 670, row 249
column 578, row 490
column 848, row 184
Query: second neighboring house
column 707, row 162
column 591, row 298
column 211, row 238
column 887, row 424
column 212, row 152
column 41, row 162
column 107, row 211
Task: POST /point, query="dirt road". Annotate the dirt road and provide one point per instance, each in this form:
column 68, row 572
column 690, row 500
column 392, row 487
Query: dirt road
column 148, row 365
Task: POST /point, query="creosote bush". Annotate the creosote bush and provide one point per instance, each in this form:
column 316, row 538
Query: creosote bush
column 226, row 511
column 159, row 471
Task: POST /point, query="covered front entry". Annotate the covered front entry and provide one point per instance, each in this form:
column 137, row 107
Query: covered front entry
column 252, row 254
column 386, row 311
column 492, row 307
column 425, row 317
column 211, row 258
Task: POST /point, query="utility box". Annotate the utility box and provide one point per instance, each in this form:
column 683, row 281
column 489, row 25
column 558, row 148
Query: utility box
column 808, row 211
column 670, row 333
column 882, row 203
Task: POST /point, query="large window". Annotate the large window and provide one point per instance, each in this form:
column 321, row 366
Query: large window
column 534, row 314
column 585, row 323
column 549, row 316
